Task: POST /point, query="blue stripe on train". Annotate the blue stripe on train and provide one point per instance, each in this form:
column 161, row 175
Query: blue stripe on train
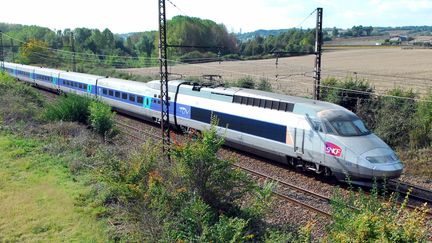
column 242, row 124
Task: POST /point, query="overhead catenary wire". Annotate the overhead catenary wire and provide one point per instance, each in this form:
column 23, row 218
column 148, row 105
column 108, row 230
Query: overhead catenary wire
column 87, row 58
column 304, row 20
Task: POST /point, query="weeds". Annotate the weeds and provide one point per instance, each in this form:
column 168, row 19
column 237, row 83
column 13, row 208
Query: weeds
column 70, row 108
column 374, row 218
column 82, row 109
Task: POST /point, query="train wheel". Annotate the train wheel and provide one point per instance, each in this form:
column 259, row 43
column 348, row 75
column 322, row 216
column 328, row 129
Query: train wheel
column 327, row 171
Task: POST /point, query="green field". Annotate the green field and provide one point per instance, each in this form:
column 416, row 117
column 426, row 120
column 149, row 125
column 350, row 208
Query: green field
column 39, row 200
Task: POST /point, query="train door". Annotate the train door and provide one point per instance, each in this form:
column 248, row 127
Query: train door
column 319, row 143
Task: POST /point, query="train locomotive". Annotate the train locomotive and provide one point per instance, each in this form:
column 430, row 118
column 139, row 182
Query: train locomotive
column 314, row 135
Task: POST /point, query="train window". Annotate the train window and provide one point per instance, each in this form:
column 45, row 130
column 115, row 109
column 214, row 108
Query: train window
column 124, row 96
column 104, row 91
column 275, row 105
column 117, row 94
column 140, row 99
column 256, row 102
column 85, row 86
column 244, row 100
column 75, row 84
column 317, row 125
column 268, row 104
column 262, row 103
column 250, row 101
column 132, row 98
column 237, row 99
column 329, row 129
column 290, row 107
column 110, row 93
column 80, row 86
column 282, row 106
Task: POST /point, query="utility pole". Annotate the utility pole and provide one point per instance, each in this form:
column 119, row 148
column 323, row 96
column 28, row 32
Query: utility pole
column 12, row 49
column 72, row 40
column 318, row 50
column 163, row 68
column 1, row 52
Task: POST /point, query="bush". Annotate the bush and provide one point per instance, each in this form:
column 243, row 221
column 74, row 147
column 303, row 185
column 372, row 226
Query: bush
column 246, row 82
column 394, row 118
column 374, row 218
column 421, row 135
column 101, row 119
column 71, row 108
column 213, row 179
column 197, row 56
column 347, row 93
column 264, row 85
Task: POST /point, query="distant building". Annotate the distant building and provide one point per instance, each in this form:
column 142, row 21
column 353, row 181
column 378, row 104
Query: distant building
column 398, row 38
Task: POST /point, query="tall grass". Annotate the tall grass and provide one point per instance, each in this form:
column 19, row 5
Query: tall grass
column 82, row 109
column 72, row 108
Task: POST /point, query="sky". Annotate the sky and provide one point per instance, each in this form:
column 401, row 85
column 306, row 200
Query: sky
column 238, row 15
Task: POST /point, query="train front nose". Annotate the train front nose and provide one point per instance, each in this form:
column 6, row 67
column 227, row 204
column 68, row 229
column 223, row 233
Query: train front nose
column 380, row 163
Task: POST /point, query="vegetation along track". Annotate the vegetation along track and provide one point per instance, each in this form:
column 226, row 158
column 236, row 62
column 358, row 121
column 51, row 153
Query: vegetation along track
column 288, row 191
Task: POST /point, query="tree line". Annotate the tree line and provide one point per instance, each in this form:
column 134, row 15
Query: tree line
column 204, row 39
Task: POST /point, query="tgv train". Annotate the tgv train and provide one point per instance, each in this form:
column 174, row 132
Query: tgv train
column 317, row 136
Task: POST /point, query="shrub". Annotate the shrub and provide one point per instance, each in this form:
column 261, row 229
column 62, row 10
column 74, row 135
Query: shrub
column 347, row 93
column 246, row 82
column 375, row 218
column 101, row 119
column 394, row 118
column 210, row 177
column 197, row 56
column 264, row 85
column 73, row 108
column 421, row 135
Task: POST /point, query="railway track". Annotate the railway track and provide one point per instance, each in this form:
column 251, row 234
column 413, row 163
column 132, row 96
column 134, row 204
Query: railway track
column 295, row 194
column 416, row 192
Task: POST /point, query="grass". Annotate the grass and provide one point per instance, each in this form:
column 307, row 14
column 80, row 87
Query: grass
column 39, row 198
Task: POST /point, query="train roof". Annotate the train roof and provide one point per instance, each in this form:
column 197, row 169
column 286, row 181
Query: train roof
column 302, row 105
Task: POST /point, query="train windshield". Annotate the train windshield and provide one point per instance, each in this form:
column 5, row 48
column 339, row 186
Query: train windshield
column 350, row 127
column 343, row 123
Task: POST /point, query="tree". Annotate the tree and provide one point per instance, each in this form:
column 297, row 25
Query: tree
column 36, row 52
column 335, row 32
column 368, row 30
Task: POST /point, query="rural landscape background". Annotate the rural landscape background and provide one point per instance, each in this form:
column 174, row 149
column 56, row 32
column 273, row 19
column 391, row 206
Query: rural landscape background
column 69, row 173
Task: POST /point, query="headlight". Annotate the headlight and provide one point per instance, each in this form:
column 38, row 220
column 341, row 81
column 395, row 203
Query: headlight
column 394, row 157
column 382, row 159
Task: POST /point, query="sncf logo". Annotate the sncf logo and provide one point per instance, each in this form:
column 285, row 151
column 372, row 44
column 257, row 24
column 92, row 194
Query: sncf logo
column 333, row 149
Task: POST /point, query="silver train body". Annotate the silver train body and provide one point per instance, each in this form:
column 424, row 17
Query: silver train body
column 315, row 135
